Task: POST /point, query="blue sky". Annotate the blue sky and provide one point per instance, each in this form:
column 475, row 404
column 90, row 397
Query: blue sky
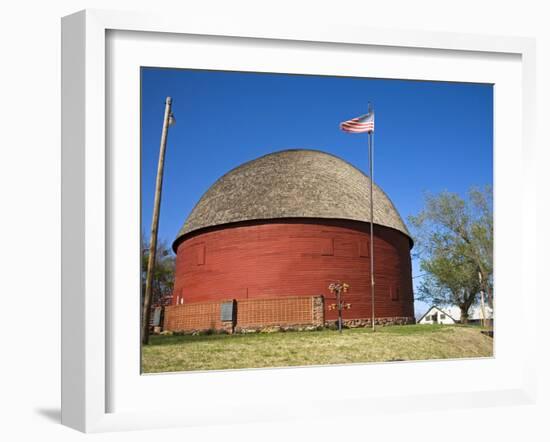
column 429, row 136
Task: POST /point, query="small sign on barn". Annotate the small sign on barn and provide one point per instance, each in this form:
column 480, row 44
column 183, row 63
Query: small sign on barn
column 227, row 311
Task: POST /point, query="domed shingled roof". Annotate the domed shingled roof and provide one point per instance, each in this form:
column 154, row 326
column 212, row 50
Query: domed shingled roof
column 294, row 183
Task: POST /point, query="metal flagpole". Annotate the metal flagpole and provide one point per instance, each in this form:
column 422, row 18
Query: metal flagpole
column 168, row 120
column 371, row 163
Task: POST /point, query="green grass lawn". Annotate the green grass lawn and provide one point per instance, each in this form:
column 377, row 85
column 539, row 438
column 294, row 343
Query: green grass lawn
column 407, row 342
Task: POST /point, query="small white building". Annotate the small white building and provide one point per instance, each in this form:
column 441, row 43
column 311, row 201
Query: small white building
column 451, row 315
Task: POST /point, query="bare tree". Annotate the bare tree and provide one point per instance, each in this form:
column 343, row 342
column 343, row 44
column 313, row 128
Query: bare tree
column 163, row 275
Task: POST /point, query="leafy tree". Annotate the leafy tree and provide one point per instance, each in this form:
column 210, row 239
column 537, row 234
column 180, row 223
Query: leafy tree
column 163, row 275
column 454, row 241
column 451, row 279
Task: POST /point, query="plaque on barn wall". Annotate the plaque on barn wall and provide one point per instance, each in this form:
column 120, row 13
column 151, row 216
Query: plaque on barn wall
column 227, row 311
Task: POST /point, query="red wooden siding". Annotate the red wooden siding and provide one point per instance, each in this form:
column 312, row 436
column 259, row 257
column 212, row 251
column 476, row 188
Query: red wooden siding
column 283, row 258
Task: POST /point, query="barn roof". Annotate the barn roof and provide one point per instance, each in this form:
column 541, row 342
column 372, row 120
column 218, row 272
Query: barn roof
column 294, row 183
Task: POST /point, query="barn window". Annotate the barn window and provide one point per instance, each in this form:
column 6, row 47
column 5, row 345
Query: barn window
column 394, row 293
column 180, row 296
column 363, row 248
column 200, row 254
column 327, row 246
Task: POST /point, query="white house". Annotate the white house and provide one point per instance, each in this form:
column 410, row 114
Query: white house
column 451, row 315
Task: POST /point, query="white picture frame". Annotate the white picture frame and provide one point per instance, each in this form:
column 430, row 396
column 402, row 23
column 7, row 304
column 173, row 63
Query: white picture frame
column 87, row 211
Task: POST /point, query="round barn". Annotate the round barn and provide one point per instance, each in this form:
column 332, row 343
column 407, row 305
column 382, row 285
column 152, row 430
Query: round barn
column 269, row 237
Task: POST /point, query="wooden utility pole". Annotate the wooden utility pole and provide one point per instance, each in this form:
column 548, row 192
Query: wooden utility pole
column 146, row 316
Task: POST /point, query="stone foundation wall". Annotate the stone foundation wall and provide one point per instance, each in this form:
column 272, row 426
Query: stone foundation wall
column 355, row 323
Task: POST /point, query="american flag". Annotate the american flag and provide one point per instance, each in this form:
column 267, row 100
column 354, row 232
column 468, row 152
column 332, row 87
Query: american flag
column 364, row 123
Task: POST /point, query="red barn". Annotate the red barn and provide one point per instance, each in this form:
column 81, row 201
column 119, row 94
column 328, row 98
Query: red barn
column 266, row 240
